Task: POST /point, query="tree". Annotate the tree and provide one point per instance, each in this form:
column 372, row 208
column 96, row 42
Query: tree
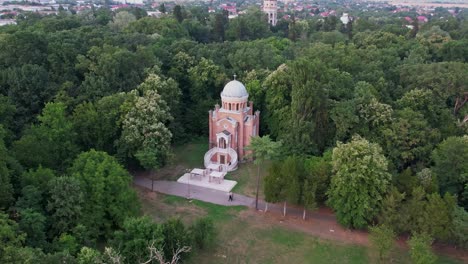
column 38, row 178
column 176, row 236
column 110, row 69
column 89, row 256
column 219, row 27
column 358, row 165
column 10, row 236
column 428, row 213
column 121, row 20
column 273, row 184
column 101, row 177
column 29, row 89
column 460, row 227
column 451, row 167
column 99, row 123
column 308, row 128
column 178, row 13
column 144, row 134
column 382, row 239
column 203, row 232
column 318, row 173
column 6, row 188
column 206, row 82
column 410, row 139
column 136, row 235
column 292, row 171
column 33, row 224
column 170, row 93
column 162, row 8
column 309, row 196
column 65, row 204
column 31, row 198
column 390, row 215
column 38, row 146
column 420, row 249
column 262, row 149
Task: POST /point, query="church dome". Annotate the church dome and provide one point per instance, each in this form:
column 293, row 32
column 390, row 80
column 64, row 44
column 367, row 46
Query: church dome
column 234, row 89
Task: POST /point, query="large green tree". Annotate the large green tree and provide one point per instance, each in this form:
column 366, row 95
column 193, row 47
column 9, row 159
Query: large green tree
column 108, row 196
column 451, row 167
column 358, row 165
column 6, row 188
column 39, row 144
column 145, row 135
column 98, row 124
column 136, row 235
column 33, row 224
column 65, row 204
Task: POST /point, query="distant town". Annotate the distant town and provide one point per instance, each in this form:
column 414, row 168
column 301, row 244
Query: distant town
column 12, row 9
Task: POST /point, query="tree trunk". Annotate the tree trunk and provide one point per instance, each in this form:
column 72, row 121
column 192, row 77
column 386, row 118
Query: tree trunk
column 284, row 209
column 304, row 215
column 266, row 207
column 258, row 186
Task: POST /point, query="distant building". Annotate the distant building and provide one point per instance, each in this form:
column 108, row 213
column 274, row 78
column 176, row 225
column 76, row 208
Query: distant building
column 4, row 22
column 270, row 7
column 345, row 18
column 422, row 19
column 133, row 2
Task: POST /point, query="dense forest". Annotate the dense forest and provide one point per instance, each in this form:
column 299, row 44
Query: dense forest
column 370, row 118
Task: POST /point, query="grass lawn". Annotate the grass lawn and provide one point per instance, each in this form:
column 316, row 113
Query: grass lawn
column 246, row 177
column 186, row 156
column 190, row 154
column 248, row 237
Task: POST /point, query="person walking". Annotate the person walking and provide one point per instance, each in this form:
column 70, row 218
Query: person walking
column 230, row 197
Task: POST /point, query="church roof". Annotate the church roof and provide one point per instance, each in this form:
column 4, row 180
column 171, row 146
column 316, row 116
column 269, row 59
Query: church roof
column 234, row 88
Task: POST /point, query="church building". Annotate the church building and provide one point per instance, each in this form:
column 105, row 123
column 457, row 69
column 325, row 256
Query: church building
column 231, row 127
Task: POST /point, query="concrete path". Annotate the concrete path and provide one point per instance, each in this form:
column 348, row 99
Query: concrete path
column 196, row 192
column 221, row 198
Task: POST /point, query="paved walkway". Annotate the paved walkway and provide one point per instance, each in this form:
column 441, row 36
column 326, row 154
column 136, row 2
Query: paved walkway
column 196, row 192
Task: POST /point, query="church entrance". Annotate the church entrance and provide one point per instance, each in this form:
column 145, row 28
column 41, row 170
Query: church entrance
column 222, row 143
column 222, row 159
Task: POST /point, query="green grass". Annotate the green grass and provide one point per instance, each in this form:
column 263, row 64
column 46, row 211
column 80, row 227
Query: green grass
column 214, row 211
column 191, row 154
column 284, row 237
column 326, row 252
column 246, row 177
column 244, row 236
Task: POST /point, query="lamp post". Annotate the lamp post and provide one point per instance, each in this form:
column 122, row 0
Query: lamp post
column 188, row 185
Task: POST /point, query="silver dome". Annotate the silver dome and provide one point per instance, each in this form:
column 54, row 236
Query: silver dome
column 234, row 89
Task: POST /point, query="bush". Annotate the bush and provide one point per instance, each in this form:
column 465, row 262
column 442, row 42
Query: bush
column 382, row 240
column 203, row 233
column 420, row 249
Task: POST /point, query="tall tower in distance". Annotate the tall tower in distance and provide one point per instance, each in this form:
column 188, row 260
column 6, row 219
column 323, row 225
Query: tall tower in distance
column 270, row 8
